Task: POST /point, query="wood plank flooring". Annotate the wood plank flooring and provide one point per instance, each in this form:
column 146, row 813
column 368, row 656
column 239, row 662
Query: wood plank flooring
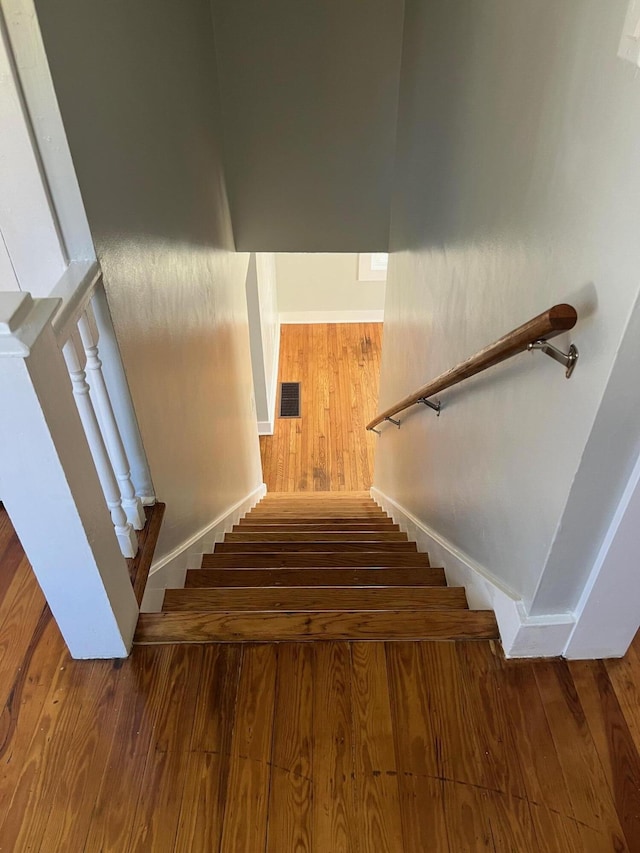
column 397, row 747
column 327, row 448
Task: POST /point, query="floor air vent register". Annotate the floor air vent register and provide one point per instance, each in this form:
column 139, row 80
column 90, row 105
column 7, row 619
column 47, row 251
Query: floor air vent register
column 289, row 399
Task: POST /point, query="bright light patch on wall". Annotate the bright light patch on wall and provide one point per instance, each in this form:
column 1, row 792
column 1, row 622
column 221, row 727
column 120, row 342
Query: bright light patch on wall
column 379, row 261
column 372, row 266
column 630, row 42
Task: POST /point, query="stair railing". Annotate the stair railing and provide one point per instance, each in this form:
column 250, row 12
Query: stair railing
column 81, row 324
column 73, row 472
column 533, row 335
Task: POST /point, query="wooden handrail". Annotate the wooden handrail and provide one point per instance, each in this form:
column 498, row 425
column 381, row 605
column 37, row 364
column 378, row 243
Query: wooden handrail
column 553, row 322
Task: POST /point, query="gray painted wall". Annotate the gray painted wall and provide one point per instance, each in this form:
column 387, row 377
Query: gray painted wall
column 309, row 93
column 138, row 94
column 517, row 186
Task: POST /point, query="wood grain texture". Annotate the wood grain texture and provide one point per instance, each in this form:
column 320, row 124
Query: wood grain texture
column 280, row 547
column 147, row 538
column 305, row 524
column 591, row 798
column 416, row 576
column 334, row 800
column 316, row 560
column 157, row 815
column 246, row 813
column 320, row 598
column 199, row 627
column 316, row 536
column 244, row 748
column 421, row 789
column 291, row 790
column 327, row 448
column 206, row 787
column 378, row 817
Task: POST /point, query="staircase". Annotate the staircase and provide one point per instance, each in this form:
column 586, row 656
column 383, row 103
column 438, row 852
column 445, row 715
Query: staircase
column 315, row 566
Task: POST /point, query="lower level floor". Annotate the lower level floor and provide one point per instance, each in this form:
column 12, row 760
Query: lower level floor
column 328, row 447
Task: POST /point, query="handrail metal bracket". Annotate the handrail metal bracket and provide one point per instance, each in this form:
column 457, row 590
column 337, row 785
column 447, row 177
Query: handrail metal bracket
column 567, row 360
column 392, row 421
column 373, row 429
column 435, row 406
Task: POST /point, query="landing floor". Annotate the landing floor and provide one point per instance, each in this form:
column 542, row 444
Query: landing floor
column 398, row 747
column 327, row 448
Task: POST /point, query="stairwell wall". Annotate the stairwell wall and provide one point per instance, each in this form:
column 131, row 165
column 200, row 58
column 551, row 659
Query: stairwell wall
column 517, row 187
column 138, row 93
column 309, row 95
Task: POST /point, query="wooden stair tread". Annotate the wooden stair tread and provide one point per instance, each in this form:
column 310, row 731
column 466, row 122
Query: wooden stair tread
column 317, row 598
column 198, row 627
column 319, row 535
column 314, row 560
column 289, row 547
column 416, row 576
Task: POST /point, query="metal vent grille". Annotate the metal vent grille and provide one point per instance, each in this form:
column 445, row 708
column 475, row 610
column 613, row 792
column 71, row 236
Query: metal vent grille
column 289, row 399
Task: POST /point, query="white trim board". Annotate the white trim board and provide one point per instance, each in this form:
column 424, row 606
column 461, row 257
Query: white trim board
column 267, row 427
column 306, row 317
column 608, row 613
column 522, row 636
column 170, row 570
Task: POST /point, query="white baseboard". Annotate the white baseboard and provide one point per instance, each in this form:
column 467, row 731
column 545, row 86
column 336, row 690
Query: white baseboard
column 365, row 316
column 170, row 571
column 265, row 427
column 522, row 636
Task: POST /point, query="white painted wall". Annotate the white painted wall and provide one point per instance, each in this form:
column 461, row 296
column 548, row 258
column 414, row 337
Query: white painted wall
column 325, row 288
column 145, row 146
column 517, row 186
column 309, row 93
column 30, row 61
column 8, row 280
column 264, row 336
column 34, row 264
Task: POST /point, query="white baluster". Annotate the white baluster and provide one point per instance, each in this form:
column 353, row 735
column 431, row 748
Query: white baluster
column 130, row 502
column 124, row 531
column 120, row 396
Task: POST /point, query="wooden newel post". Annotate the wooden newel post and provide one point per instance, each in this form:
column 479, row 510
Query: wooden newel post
column 50, row 487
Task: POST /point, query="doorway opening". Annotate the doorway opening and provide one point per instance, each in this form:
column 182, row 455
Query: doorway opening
column 316, row 320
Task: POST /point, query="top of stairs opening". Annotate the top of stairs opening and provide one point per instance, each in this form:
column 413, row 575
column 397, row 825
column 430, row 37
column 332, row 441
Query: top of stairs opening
column 315, row 566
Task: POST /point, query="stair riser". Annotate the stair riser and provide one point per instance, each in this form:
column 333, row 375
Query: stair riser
column 291, row 599
column 314, row 577
column 296, row 547
column 300, row 560
column 318, row 535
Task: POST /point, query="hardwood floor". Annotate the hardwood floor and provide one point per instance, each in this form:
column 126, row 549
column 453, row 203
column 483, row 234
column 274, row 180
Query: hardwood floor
column 366, row 747
column 327, row 448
